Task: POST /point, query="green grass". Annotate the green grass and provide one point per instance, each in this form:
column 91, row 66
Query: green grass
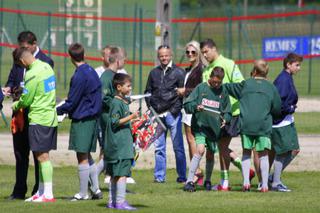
column 306, row 123
column 169, row 197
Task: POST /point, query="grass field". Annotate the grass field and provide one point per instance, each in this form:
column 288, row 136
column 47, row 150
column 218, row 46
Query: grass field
column 169, row 197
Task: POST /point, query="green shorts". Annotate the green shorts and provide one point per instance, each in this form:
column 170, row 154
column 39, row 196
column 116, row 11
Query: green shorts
column 284, row 139
column 83, row 135
column 260, row 143
column 210, row 145
column 121, row 168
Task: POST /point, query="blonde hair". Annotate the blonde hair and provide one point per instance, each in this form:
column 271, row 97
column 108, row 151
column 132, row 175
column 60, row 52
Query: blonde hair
column 200, row 57
column 260, row 68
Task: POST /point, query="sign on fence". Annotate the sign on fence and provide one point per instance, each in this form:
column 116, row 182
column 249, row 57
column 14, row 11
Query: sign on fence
column 275, row 47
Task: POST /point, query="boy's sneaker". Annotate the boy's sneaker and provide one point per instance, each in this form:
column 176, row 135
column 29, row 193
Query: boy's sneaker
column 124, row 206
column 263, row 190
column 78, row 197
column 246, row 188
column 207, row 185
column 32, row 198
column 189, row 187
column 219, row 187
column 252, row 174
column 97, row 195
column 259, row 186
column 130, row 180
column 280, row 188
column 43, row 199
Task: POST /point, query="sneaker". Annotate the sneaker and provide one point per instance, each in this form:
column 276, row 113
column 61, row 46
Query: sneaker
column 110, row 205
column 263, row 190
column 280, row 188
column 259, row 186
column 124, row 206
column 189, row 187
column 107, row 179
column 252, row 174
column 32, row 198
column 43, row 199
column 130, row 180
column 246, row 188
column 98, row 195
column 207, row 185
column 78, row 197
column 219, row 187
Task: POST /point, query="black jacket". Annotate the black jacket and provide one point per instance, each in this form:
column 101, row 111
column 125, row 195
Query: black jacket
column 163, row 89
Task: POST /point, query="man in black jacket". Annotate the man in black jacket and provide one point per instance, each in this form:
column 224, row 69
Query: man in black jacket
column 162, row 84
column 20, row 138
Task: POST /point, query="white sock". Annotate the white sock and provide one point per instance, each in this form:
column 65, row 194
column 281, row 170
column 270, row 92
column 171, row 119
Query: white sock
column 48, row 190
column 264, row 168
column 246, row 162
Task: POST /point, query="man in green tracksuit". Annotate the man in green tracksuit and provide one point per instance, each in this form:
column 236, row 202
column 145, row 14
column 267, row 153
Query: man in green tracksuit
column 232, row 75
column 39, row 95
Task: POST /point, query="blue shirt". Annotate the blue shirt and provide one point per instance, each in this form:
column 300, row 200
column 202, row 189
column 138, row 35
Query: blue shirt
column 84, row 98
column 288, row 94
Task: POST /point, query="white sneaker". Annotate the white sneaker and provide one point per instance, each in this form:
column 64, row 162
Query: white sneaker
column 78, row 197
column 130, row 180
column 259, row 186
column 32, row 198
column 43, row 199
column 107, row 179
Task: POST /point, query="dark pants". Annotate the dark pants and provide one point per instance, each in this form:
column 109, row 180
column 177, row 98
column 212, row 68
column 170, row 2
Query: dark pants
column 21, row 153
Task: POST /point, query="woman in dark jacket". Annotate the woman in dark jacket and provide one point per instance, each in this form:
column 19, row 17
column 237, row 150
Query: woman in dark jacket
column 192, row 79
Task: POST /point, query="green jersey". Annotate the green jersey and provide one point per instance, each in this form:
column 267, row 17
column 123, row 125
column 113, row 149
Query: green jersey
column 107, row 89
column 259, row 101
column 217, row 105
column 39, row 95
column 232, row 74
column 119, row 141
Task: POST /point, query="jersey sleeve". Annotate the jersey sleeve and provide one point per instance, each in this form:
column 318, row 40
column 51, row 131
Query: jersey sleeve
column 191, row 103
column 234, row 89
column 28, row 93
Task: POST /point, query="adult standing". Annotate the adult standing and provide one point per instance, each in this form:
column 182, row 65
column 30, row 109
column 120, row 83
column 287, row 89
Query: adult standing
column 39, row 95
column 21, row 147
column 284, row 136
column 192, row 79
column 163, row 82
column 232, row 75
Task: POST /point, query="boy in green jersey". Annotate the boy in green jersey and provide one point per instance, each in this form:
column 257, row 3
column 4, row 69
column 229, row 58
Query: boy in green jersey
column 39, row 96
column 210, row 107
column 118, row 147
column 259, row 103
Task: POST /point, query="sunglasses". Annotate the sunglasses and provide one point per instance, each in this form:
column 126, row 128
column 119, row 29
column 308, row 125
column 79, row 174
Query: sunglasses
column 192, row 52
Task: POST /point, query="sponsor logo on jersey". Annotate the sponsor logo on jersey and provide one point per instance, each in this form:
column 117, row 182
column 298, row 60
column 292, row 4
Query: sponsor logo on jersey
column 210, row 103
column 49, row 84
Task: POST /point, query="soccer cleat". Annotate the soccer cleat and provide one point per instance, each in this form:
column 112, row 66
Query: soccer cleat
column 246, row 188
column 252, row 174
column 280, row 188
column 219, row 187
column 43, row 199
column 124, row 206
column 78, row 197
column 32, row 198
column 259, row 186
column 207, row 185
column 97, row 195
column 264, row 189
column 189, row 187
column 130, row 180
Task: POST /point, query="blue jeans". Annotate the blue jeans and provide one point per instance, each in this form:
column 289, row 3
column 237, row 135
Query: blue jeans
column 174, row 125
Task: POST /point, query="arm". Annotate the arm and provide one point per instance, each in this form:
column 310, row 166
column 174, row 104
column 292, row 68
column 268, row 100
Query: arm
column 148, row 89
column 234, row 89
column 276, row 105
column 28, row 93
column 225, row 108
column 107, row 94
column 191, row 103
column 284, row 89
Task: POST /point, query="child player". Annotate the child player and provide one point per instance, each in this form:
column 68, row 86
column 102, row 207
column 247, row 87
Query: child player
column 83, row 106
column 118, row 150
column 210, row 107
column 259, row 102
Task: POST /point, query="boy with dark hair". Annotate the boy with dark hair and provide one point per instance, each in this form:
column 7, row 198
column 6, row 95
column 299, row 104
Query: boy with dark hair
column 39, row 96
column 83, row 106
column 259, row 102
column 119, row 143
column 210, row 107
column 21, row 147
column 284, row 134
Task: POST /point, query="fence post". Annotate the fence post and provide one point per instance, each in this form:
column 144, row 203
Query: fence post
column 312, row 20
column 134, row 44
column 124, row 27
column 229, row 32
column 1, row 38
column 49, row 34
column 140, row 54
column 65, row 50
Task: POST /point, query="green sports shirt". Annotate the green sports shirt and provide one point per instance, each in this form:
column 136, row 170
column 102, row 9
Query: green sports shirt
column 232, row 74
column 39, row 95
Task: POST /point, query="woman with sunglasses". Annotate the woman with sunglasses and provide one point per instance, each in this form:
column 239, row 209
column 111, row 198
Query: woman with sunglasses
column 192, row 79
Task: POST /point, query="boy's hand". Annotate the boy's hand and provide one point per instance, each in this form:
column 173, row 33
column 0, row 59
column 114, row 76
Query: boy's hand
column 135, row 115
column 200, row 107
column 223, row 122
column 181, row 91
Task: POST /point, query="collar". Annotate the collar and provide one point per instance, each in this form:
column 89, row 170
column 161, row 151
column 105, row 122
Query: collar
column 169, row 66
